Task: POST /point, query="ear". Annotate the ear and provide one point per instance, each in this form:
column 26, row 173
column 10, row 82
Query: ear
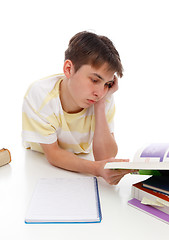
column 68, row 68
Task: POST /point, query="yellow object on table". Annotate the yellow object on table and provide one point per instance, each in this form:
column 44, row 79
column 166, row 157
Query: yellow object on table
column 5, row 157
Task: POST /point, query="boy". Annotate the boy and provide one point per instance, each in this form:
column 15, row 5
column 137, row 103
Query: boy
column 64, row 115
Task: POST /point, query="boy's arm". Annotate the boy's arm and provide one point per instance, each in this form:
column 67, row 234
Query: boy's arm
column 63, row 159
column 104, row 144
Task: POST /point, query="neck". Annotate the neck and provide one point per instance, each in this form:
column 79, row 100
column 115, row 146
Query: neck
column 66, row 99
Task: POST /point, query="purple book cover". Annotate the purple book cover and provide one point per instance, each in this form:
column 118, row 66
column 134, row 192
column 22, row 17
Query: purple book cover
column 156, row 150
column 150, row 210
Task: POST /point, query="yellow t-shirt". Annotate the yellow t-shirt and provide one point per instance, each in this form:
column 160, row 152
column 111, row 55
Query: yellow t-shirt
column 44, row 120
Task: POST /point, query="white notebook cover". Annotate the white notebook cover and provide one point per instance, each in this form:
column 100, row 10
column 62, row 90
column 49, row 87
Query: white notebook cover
column 65, row 200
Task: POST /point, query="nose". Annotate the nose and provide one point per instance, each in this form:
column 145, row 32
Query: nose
column 99, row 92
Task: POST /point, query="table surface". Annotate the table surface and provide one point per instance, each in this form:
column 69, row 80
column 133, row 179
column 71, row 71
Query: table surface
column 120, row 221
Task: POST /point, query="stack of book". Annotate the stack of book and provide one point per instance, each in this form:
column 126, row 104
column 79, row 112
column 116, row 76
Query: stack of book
column 152, row 197
column 152, row 194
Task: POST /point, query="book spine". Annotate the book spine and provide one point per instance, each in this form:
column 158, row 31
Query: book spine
column 140, row 194
column 98, row 199
column 163, row 191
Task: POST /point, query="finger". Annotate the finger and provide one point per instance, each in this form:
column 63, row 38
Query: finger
column 117, row 173
column 117, row 160
column 124, row 171
column 122, row 160
column 115, row 78
column 115, row 180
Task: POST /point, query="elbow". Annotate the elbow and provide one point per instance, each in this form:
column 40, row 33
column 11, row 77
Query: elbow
column 52, row 159
column 52, row 153
column 51, row 162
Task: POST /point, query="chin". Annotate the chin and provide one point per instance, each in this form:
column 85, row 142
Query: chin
column 88, row 105
column 85, row 105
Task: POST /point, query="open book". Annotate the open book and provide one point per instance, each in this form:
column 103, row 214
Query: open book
column 65, row 200
column 150, row 160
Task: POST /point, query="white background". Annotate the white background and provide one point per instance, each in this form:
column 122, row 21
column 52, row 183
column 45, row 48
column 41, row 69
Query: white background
column 33, row 37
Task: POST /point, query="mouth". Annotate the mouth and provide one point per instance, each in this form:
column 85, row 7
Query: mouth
column 91, row 101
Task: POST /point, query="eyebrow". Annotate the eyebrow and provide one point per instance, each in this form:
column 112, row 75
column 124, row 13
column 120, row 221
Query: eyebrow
column 100, row 77
column 97, row 75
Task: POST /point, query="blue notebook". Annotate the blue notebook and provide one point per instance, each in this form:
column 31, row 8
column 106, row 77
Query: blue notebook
column 65, row 200
column 157, row 183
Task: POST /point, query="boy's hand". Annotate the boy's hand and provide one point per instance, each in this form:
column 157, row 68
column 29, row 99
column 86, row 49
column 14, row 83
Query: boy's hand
column 114, row 86
column 111, row 88
column 112, row 177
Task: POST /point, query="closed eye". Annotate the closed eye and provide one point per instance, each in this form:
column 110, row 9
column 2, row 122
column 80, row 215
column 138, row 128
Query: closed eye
column 94, row 80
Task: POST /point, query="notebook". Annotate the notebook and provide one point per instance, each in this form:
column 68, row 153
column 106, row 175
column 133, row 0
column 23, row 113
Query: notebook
column 65, row 200
column 157, row 183
column 150, row 210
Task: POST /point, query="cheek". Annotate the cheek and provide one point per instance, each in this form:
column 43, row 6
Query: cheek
column 77, row 90
column 82, row 87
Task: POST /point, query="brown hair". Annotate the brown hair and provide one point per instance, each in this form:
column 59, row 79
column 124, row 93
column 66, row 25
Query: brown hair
column 90, row 48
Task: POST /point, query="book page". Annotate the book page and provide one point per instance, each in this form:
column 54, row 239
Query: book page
column 155, row 152
column 138, row 165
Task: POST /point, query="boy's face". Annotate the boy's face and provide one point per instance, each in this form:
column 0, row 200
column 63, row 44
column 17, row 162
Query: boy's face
column 88, row 85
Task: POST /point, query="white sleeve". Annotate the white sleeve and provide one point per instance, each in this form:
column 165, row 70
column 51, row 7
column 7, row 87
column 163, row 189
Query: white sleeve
column 35, row 128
